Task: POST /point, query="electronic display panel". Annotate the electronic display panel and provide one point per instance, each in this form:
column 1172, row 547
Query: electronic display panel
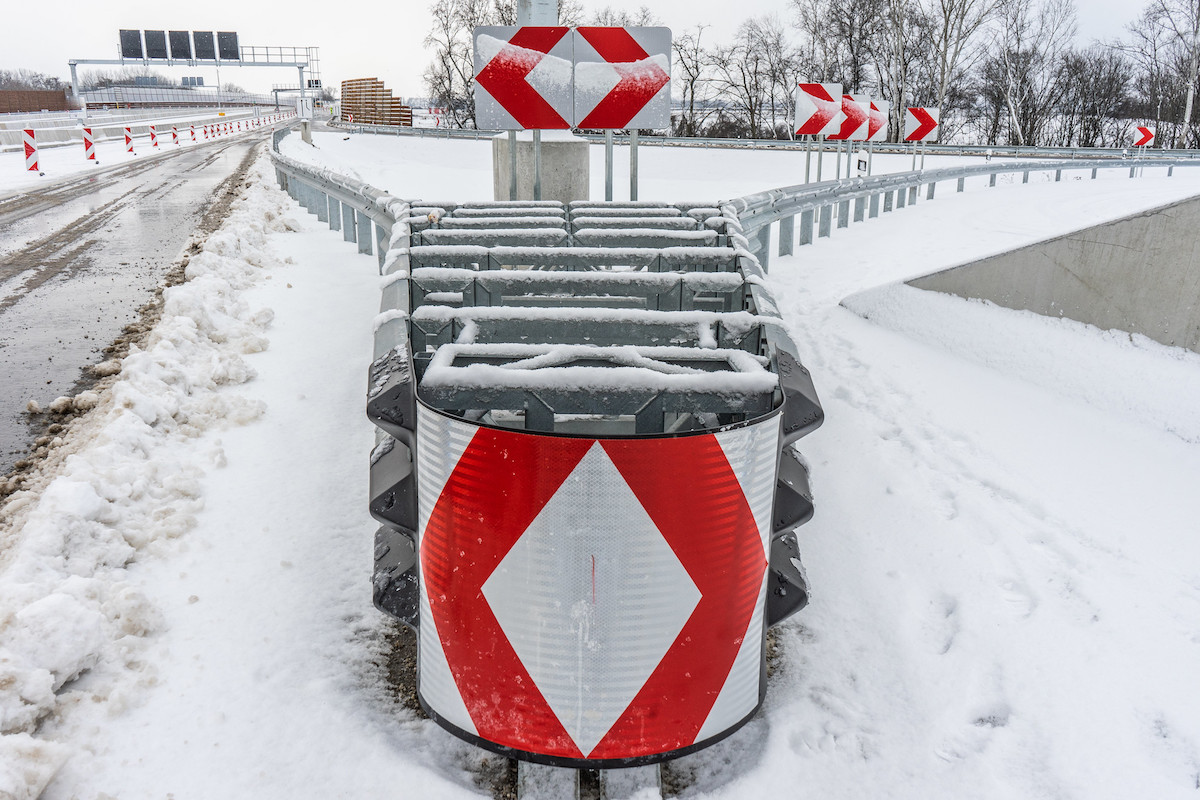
column 206, row 49
column 131, row 44
column 181, row 45
column 156, row 44
column 227, row 46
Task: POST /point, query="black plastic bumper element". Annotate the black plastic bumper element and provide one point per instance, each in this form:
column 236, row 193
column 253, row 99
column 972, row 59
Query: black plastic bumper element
column 395, row 581
column 787, row 586
column 802, row 411
column 393, row 485
column 391, row 398
column 793, row 498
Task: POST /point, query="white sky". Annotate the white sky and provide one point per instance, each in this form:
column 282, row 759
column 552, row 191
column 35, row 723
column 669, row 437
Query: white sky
column 360, row 39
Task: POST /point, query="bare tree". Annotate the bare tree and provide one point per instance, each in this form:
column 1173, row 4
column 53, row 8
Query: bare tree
column 742, row 76
column 1182, row 19
column 692, row 67
column 1027, row 44
column 620, row 18
column 955, row 27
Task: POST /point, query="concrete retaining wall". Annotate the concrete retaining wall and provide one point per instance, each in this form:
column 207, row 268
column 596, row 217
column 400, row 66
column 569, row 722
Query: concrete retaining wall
column 1139, row 274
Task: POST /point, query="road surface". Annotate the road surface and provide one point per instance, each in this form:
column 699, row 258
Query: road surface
column 81, row 256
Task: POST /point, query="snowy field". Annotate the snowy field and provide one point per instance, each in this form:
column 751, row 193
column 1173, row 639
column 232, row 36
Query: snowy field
column 1004, row 561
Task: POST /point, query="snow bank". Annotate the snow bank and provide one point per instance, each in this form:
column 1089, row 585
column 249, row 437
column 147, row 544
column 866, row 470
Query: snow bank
column 125, row 486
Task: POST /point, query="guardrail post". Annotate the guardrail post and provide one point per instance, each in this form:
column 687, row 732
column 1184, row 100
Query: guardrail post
column 335, row 214
column 1132, row 171
column 887, row 201
column 1094, row 173
column 363, row 226
column 912, row 195
column 860, row 208
column 844, row 214
column 787, row 235
column 1170, row 170
column 992, row 181
column 1057, row 175
column 348, row 224
column 929, row 191
column 901, row 197
column 1025, row 176
column 826, row 219
column 806, row 226
column 762, row 246
column 322, row 202
column 382, row 237
column 962, row 184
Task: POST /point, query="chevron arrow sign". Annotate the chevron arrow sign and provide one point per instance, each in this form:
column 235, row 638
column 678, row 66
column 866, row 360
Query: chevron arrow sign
column 818, row 109
column 921, row 124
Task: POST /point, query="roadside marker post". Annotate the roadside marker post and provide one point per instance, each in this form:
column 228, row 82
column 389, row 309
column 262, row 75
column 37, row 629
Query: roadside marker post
column 128, row 141
column 31, row 153
column 89, row 145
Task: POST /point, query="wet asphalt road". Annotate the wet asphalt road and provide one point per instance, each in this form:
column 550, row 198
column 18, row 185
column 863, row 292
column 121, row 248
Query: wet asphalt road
column 79, row 257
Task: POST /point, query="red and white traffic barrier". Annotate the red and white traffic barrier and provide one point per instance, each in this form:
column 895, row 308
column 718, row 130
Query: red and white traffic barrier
column 89, row 145
column 153, row 137
column 193, row 133
column 239, row 125
column 128, row 141
column 31, row 154
column 174, row 135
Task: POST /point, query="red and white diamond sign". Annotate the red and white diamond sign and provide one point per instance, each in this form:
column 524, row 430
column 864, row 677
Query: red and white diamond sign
column 587, row 599
column 622, row 78
column 590, row 77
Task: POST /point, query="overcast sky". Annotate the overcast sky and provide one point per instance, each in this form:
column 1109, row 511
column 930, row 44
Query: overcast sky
column 367, row 38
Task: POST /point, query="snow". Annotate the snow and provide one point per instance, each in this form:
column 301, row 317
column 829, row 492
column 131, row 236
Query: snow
column 1004, row 559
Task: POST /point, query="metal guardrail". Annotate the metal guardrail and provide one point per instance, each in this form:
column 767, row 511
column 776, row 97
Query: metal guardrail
column 817, row 203
column 996, row 151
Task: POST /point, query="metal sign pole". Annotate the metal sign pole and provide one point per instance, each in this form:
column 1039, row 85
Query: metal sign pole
column 608, row 165
column 512, row 165
column 837, row 161
column 807, row 157
column 633, row 165
column 914, row 166
column 820, row 155
column 870, row 156
column 922, row 155
column 537, row 164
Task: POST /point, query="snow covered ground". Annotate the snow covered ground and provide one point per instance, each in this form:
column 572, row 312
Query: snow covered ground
column 1004, row 561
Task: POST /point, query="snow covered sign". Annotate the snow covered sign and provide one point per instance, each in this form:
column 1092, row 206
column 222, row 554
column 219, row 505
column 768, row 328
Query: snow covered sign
column 818, row 109
column 523, row 77
column 856, row 113
column 622, row 78
column 592, row 601
column 921, row 124
column 555, row 77
column 878, row 126
column 1143, row 136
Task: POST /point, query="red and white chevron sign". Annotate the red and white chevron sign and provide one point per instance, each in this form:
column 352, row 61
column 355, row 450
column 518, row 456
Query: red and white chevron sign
column 612, row 590
column 1143, row 136
column 558, row 77
column 878, row 126
column 856, row 108
column 31, row 153
column 921, row 124
column 818, row 109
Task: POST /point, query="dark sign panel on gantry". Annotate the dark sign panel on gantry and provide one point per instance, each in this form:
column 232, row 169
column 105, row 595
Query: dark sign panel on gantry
column 156, row 44
column 227, row 46
column 181, row 45
column 206, row 49
column 131, row 44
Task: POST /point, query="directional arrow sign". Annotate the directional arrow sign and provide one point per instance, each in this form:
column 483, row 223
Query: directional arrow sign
column 622, row 77
column 1143, row 136
column 818, row 109
column 523, row 77
column 878, row 126
column 921, row 124
column 856, row 108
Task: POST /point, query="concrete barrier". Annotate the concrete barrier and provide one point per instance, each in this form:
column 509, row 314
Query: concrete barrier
column 1137, row 274
column 566, row 169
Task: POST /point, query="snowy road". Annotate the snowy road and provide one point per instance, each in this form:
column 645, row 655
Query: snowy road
column 81, row 255
column 1004, row 558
